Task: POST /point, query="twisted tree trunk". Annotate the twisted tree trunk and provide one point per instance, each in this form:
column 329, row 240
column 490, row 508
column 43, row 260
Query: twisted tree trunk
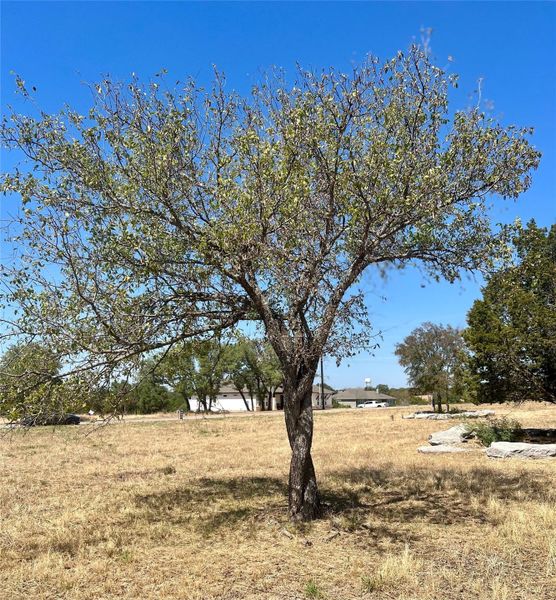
column 303, row 495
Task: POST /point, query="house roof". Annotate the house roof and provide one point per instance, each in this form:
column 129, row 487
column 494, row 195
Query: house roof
column 227, row 388
column 356, row 394
column 316, row 390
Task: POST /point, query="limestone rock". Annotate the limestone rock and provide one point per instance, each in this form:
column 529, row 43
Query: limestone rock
column 433, row 416
column 441, row 449
column 454, row 435
column 468, row 414
column 521, row 450
column 474, row 414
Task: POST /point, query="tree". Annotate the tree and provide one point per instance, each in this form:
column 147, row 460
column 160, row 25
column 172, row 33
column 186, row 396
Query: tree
column 171, row 215
column 29, row 381
column 196, row 368
column 432, row 356
column 512, row 330
column 254, row 367
column 176, row 368
column 241, row 373
column 149, row 394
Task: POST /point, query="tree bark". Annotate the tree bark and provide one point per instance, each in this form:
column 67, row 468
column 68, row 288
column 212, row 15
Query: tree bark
column 303, row 495
column 186, row 402
column 244, row 400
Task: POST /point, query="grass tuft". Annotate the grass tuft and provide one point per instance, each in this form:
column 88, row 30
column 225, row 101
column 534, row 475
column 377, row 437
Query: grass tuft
column 312, row 590
column 396, row 571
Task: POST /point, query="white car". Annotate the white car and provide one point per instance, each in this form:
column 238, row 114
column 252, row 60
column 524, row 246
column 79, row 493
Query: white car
column 373, row 404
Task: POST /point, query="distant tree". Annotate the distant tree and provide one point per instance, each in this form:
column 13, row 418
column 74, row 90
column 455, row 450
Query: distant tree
column 512, row 330
column 382, row 388
column 432, row 356
column 406, row 396
column 196, row 368
column 255, row 368
column 175, row 215
column 29, row 381
column 150, row 394
column 179, row 369
column 240, row 374
column 199, row 368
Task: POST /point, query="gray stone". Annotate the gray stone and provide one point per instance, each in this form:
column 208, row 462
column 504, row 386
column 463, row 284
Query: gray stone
column 432, row 416
column 454, row 435
column 521, row 450
column 442, row 449
column 468, row 414
column 474, row 414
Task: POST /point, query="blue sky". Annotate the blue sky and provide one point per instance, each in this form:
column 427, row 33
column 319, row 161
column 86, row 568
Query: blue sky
column 56, row 46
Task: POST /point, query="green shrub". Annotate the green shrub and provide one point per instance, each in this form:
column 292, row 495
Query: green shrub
column 336, row 404
column 497, row 430
column 415, row 401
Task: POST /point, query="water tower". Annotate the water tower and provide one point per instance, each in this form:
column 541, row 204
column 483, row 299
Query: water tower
column 367, row 383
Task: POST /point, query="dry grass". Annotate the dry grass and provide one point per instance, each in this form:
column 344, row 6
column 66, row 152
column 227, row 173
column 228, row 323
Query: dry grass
column 197, row 510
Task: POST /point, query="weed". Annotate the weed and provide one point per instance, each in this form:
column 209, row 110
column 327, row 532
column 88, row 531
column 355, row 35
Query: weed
column 312, row 590
column 496, row 430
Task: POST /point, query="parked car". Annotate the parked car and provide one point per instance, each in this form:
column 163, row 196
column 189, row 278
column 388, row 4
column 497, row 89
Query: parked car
column 373, row 404
column 64, row 419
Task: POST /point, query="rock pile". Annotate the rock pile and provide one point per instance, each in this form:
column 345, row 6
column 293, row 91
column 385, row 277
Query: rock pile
column 445, row 441
column 455, row 435
column 467, row 414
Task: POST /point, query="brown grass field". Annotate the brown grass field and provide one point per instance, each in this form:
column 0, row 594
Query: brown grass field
column 197, row 510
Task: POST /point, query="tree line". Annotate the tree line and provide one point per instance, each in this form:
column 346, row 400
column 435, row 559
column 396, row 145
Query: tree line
column 31, row 380
column 507, row 352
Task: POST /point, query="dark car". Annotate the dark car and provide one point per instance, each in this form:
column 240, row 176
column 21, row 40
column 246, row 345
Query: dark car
column 65, row 419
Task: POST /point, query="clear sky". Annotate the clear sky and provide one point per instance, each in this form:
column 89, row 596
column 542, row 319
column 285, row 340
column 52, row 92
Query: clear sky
column 56, row 46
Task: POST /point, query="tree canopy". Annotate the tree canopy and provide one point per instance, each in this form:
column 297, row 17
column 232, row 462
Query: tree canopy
column 29, row 381
column 175, row 214
column 433, row 358
column 512, row 329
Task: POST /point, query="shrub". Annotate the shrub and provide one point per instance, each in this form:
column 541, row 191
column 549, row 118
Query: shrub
column 336, row 404
column 497, row 430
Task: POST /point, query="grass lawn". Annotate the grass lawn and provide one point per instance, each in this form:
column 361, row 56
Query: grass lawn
column 197, row 510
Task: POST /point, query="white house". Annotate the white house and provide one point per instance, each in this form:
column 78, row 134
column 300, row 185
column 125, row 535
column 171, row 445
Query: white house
column 230, row 399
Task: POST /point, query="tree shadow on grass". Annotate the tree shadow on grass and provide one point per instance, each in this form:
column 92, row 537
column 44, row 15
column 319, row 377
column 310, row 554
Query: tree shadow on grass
column 442, row 496
column 212, row 503
column 380, row 503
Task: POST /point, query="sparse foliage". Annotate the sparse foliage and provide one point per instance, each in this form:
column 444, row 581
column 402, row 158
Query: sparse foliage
column 173, row 215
